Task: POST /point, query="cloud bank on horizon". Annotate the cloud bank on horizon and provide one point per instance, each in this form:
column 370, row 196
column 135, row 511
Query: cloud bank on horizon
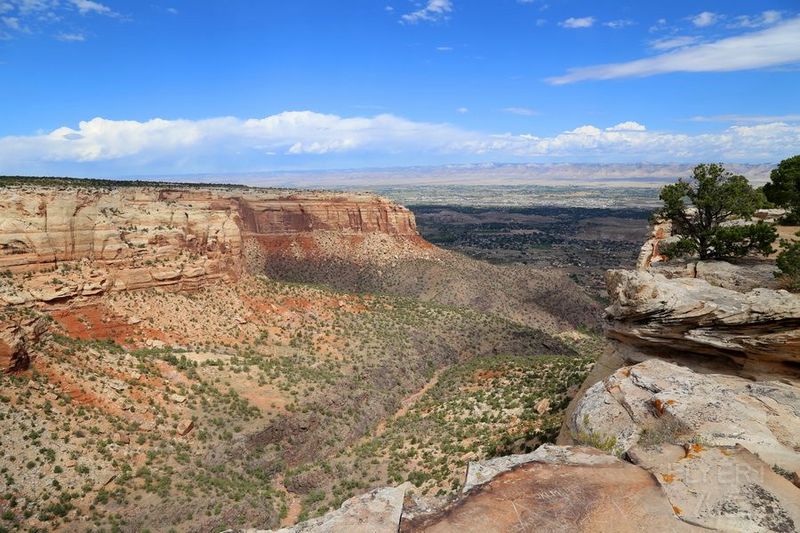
column 312, row 84
column 227, row 143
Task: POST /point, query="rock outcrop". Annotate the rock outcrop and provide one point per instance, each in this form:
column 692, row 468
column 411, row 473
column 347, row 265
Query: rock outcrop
column 656, row 400
column 377, row 511
column 700, row 386
column 20, row 335
column 72, row 241
column 557, row 489
column 661, row 316
column 722, row 488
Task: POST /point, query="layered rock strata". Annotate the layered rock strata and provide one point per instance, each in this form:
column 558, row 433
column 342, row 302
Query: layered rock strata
column 659, row 315
column 69, row 242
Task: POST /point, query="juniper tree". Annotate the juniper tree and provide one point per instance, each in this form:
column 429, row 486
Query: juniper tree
column 699, row 206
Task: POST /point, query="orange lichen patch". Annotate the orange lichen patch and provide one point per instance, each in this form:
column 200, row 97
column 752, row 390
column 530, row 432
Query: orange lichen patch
column 677, row 510
column 671, row 402
column 626, row 371
column 696, row 448
column 659, row 406
column 726, row 453
column 668, row 478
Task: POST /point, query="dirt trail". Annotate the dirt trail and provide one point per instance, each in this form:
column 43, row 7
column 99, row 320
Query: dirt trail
column 409, row 402
column 295, row 507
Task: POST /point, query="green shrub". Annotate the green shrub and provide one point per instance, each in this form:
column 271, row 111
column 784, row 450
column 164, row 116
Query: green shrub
column 788, row 264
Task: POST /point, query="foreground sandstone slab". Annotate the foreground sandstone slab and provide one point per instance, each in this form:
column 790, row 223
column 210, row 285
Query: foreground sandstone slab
column 375, row 512
column 725, row 489
column 562, row 489
column 656, row 399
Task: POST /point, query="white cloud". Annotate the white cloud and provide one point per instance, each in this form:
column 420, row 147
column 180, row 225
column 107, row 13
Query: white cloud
column 618, row 24
column 766, row 18
column 627, row 126
column 706, row 18
column 522, row 111
column 434, row 10
column 11, row 22
column 89, row 6
column 670, row 43
column 444, row 48
column 774, row 46
column 462, row 110
column 574, row 23
column 745, row 119
column 228, row 143
column 71, row 37
column 44, row 16
column 172, row 11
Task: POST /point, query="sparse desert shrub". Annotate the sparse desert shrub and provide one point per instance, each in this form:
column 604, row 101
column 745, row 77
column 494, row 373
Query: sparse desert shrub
column 788, row 264
column 596, row 439
column 665, row 430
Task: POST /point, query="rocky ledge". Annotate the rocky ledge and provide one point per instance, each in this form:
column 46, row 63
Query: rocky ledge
column 687, row 315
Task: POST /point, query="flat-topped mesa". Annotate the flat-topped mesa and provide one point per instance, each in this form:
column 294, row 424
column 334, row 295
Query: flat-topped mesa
column 296, row 214
column 76, row 241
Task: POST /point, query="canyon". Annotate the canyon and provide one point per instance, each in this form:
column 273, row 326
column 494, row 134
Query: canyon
column 218, row 355
column 231, row 357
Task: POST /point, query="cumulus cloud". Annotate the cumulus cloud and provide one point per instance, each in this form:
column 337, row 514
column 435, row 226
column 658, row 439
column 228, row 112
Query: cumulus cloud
column 576, row 23
column 706, row 18
column 88, row 6
column 229, row 143
column 627, row 126
column 11, row 22
column 434, row 10
column 777, row 45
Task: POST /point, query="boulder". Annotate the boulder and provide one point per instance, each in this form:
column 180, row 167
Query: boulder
column 184, row 426
column 377, row 511
column 19, row 340
column 723, row 488
column 746, row 275
column 656, row 401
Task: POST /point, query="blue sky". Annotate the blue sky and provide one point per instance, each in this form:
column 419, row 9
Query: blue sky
column 134, row 87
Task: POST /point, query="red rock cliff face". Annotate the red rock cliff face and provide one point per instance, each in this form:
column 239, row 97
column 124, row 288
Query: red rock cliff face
column 72, row 242
column 295, row 214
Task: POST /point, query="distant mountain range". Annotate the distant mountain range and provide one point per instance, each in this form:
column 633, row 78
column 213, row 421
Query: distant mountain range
column 611, row 175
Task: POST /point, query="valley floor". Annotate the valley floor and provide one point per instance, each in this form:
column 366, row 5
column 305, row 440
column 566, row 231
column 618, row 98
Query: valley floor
column 265, row 402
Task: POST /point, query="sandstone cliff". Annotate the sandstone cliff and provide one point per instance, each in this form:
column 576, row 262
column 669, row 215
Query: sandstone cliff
column 73, row 241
